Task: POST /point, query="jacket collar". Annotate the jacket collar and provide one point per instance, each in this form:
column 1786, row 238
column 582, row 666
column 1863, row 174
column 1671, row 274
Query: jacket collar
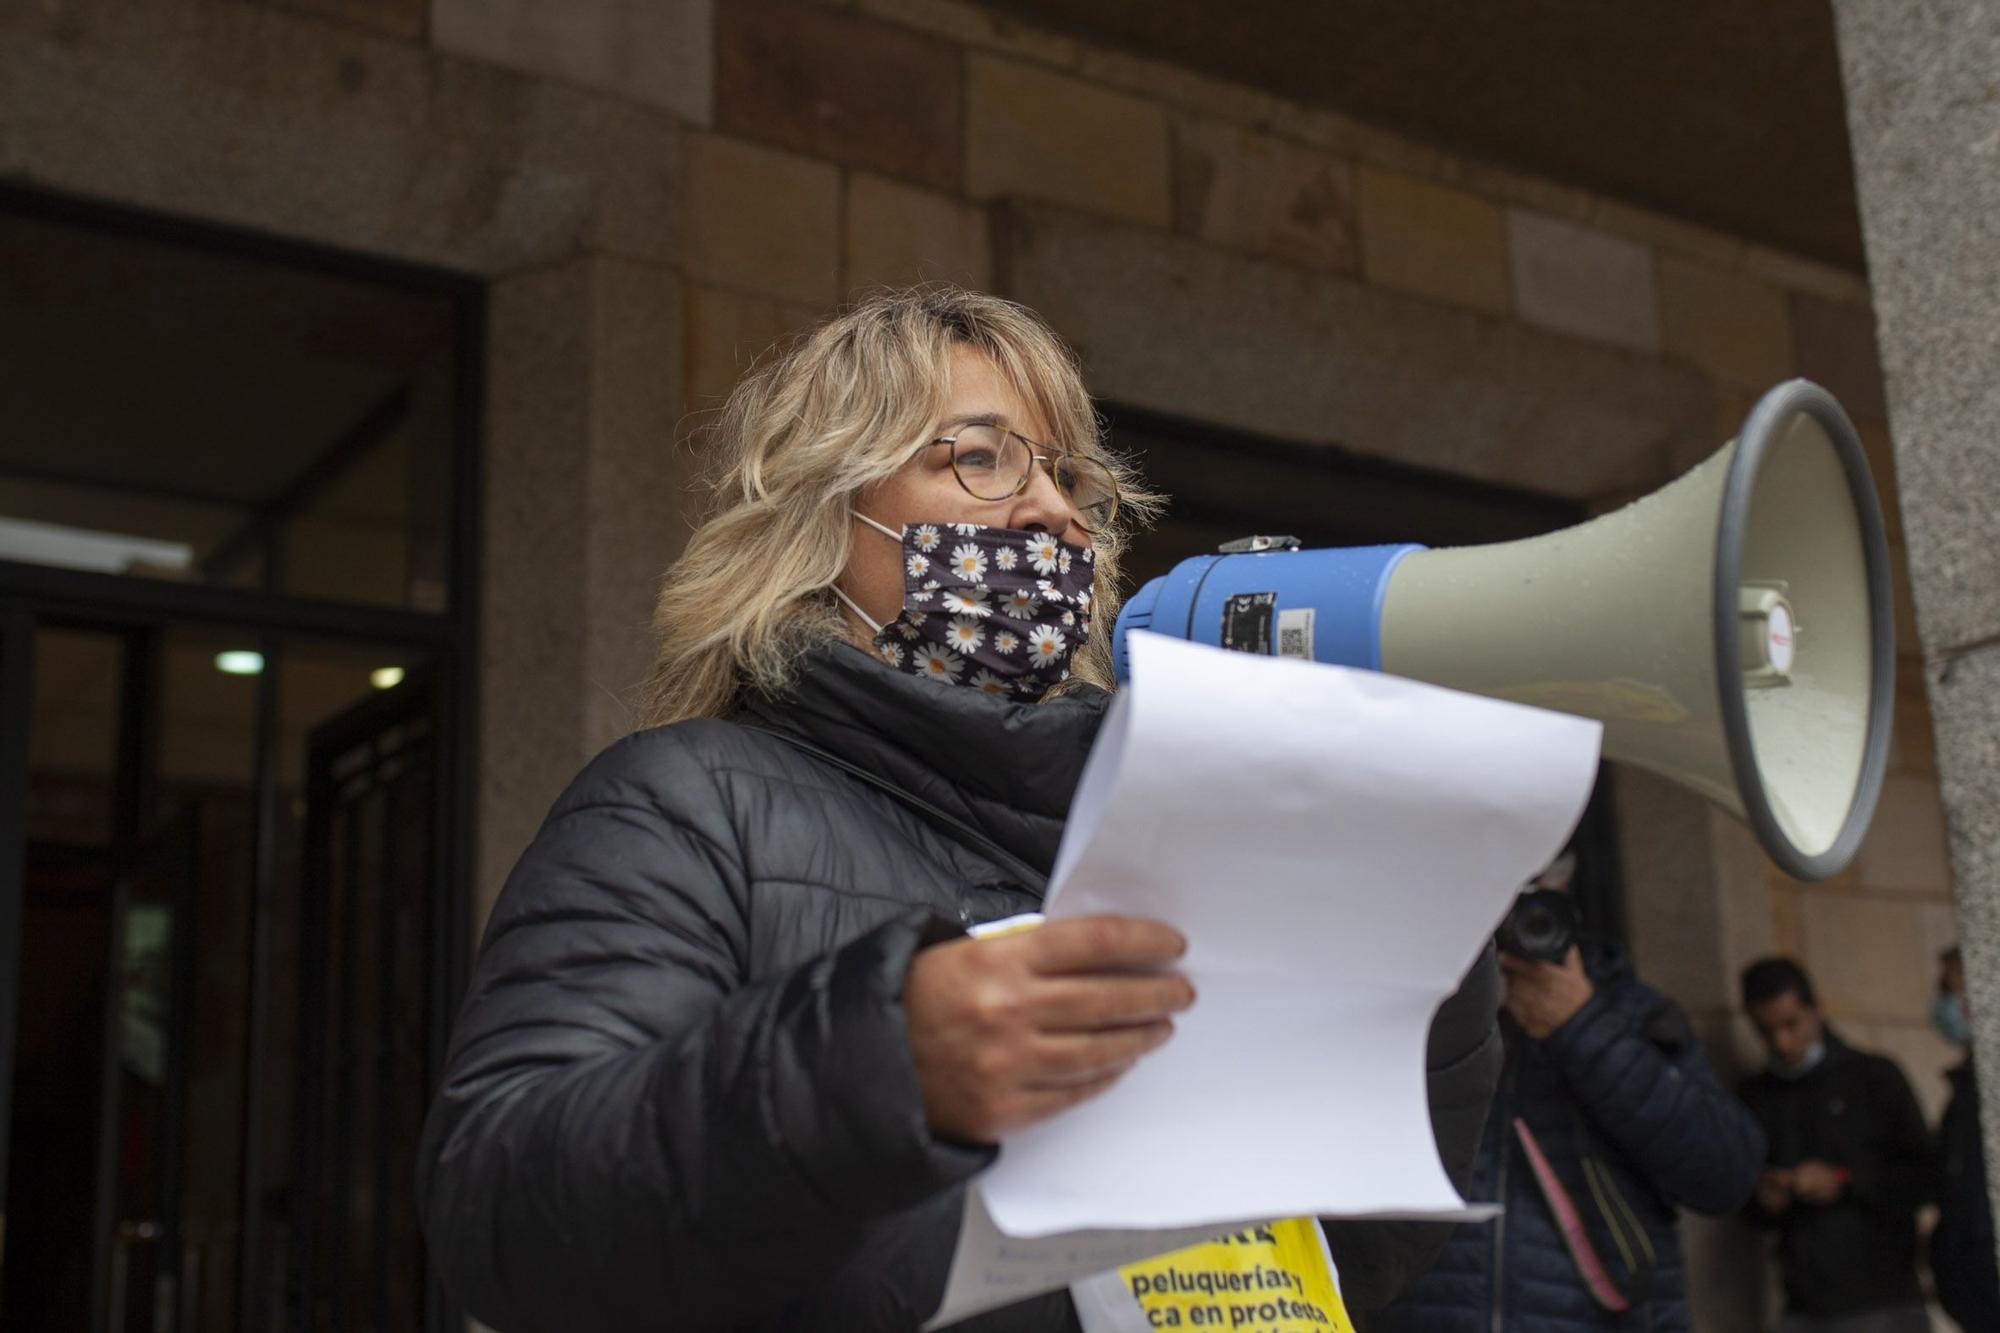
column 1009, row 769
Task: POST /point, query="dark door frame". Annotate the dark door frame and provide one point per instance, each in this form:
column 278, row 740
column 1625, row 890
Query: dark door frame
column 17, row 692
column 33, row 595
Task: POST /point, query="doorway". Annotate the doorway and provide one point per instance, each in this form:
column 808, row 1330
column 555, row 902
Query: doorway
column 236, row 542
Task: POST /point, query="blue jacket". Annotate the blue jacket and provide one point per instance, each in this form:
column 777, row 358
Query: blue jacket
column 1624, row 1080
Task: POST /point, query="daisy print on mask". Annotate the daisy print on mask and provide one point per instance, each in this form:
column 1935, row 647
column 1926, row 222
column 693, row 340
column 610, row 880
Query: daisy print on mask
column 1043, row 552
column 966, row 602
column 965, row 636
column 968, row 562
column 937, row 663
column 991, row 607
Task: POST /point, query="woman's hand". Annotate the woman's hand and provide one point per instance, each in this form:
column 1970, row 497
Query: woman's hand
column 1008, row 1031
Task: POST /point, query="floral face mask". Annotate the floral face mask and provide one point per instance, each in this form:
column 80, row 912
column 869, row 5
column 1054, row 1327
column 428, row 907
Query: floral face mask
column 1000, row 609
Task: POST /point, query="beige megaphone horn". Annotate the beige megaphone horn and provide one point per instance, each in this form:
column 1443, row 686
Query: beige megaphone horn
column 1733, row 630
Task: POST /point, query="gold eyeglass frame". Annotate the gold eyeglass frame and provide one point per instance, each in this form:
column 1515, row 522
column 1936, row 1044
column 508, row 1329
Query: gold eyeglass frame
column 1037, row 453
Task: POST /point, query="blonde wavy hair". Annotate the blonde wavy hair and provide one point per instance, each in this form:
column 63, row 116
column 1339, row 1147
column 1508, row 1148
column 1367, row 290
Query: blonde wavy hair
column 844, row 405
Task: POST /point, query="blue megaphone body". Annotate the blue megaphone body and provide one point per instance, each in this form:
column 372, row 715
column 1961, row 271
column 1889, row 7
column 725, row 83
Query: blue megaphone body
column 1265, row 595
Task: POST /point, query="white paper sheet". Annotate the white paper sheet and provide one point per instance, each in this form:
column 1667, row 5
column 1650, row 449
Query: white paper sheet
column 989, row 1269
column 1336, row 845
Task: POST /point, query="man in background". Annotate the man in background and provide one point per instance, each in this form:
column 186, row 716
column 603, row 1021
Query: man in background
column 1962, row 1259
column 1849, row 1163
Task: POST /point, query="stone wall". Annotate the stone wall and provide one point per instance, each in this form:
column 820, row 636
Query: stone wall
column 657, row 192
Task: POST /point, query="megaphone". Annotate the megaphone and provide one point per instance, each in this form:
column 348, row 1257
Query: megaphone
column 1733, row 631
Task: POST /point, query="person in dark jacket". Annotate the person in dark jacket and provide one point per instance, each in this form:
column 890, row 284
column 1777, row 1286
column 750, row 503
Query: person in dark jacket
column 728, row 1058
column 1963, row 1269
column 1609, row 1116
column 1848, row 1166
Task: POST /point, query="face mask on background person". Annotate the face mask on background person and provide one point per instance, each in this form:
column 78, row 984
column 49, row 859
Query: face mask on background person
column 1000, row 609
column 1948, row 1017
column 1807, row 1063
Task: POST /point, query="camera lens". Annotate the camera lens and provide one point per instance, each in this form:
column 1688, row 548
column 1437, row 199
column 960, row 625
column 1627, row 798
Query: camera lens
column 1537, row 927
column 1542, row 925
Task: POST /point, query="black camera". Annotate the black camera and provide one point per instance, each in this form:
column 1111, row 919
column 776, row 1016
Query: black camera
column 1542, row 924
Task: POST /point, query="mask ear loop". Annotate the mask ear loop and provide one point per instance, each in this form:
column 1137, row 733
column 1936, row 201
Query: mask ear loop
column 882, row 528
column 852, row 605
column 855, row 607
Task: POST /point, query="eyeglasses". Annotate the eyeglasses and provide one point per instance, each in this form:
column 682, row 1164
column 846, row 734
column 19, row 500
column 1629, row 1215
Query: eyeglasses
column 995, row 463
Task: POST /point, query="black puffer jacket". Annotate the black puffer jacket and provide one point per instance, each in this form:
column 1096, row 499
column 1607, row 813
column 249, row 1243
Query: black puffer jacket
column 680, row 1094
column 1624, row 1081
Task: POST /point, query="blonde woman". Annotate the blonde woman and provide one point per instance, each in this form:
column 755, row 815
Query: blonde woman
column 728, row 1057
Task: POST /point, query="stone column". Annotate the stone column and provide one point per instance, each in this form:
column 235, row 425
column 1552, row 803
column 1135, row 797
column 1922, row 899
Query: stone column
column 583, row 511
column 1923, row 111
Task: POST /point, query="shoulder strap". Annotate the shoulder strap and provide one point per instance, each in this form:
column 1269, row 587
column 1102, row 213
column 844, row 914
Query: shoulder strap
column 1627, row 1232
column 948, row 824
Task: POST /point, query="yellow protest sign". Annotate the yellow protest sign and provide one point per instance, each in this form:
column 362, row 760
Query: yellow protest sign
column 1274, row 1278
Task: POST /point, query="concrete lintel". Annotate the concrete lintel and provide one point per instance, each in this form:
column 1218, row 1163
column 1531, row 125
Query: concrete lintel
column 1175, row 326
column 250, row 116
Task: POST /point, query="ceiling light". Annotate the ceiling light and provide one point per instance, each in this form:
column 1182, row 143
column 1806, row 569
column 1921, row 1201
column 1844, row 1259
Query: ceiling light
column 240, row 662
column 386, row 678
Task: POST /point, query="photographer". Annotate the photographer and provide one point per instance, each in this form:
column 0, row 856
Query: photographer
column 1608, row 1119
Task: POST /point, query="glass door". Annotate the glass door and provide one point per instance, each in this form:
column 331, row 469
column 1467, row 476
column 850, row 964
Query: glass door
column 229, row 884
